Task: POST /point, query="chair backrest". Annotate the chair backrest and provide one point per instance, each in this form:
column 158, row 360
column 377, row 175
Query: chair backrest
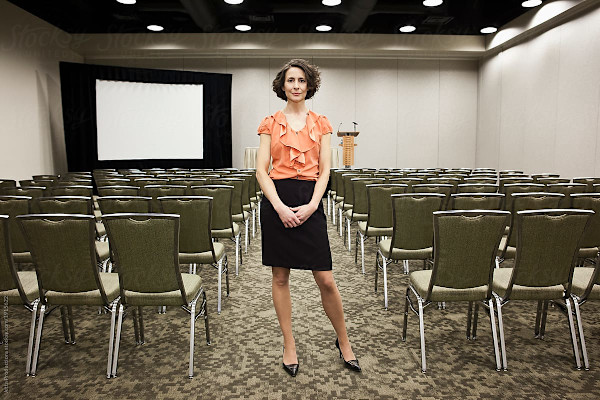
column 445, row 180
column 476, row 201
column 104, row 181
column 146, row 250
column 63, row 251
column 359, row 190
column 509, row 189
column 77, row 190
column 7, row 183
column 246, row 191
column 349, row 187
column 238, row 190
column 9, row 278
column 551, row 181
column 547, row 245
column 589, row 201
column 567, row 189
column 409, row 182
column 118, row 190
column 14, row 206
column 194, row 221
column 530, row 201
column 156, row 191
column 477, row 188
column 379, row 204
column 465, row 246
column 30, row 191
column 413, row 219
column 221, row 214
column 590, row 182
column 479, row 179
column 63, row 205
column 124, row 204
column 443, row 188
column 143, row 182
column 188, row 182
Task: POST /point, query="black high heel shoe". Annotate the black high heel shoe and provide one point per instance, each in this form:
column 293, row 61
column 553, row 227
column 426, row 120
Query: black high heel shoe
column 291, row 369
column 351, row 364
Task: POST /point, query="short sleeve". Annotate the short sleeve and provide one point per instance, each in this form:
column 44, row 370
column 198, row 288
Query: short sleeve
column 325, row 125
column 265, row 126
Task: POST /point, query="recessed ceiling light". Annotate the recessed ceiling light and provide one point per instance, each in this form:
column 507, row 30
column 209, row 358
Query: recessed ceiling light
column 489, row 29
column 126, row 1
column 331, row 3
column 243, row 28
column 234, row 1
column 408, row 29
column 323, row 28
column 432, row 3
column 155, row 28
column 531, row 3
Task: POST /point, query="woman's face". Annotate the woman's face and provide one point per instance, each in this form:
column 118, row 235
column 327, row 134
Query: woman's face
column 295, row 86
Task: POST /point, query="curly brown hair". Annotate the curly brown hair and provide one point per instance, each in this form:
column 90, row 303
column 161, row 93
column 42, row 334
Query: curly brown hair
column 313, row 77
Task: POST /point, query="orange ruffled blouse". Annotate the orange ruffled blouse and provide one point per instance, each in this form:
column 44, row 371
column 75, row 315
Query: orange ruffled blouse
column 295, row 154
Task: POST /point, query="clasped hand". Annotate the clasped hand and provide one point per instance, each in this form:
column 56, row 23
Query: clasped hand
column 295, row 216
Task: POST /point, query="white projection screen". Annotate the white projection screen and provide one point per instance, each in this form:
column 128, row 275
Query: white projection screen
column 137, row 120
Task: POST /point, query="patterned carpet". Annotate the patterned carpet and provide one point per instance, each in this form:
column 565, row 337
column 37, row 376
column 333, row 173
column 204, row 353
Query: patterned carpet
column 244, row 360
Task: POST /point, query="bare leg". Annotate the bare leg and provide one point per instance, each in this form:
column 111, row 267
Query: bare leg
column 283, row 307
column 332, row 304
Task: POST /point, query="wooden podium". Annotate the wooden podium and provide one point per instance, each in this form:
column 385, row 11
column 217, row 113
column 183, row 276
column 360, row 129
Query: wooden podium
column 348, row 147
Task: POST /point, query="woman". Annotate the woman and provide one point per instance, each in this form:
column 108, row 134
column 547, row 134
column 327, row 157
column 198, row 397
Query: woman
column 293, row 224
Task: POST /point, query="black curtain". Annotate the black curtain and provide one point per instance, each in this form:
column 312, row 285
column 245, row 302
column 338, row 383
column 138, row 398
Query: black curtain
column 78, row 89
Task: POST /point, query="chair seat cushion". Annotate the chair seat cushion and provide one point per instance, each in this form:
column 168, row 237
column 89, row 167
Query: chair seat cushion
column 205, row 257
column 191, row 283
column 243, row 216
column 110, row 282
column 355, row 216
column 362, row 227
column 102, row 251
column 588, row 252
column 226, row 233
column 502, row 279
column 100, row 229
column 420, row 281
column 404, row 254
column 581, row 280
column 24, row 257
column 30, row 287
column 510, row 250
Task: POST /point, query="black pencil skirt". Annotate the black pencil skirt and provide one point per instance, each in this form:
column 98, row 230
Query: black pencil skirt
column 303, row 247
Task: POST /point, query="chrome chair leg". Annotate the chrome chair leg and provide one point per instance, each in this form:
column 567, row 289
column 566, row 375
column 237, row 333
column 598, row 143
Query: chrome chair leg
column 141, row 320
column 192, row 334
column 36, row 352
column 475, row 318
column 543, row 322
column 538, row 315
column 31, row 336
column 469, row 316
column 63, row 320
column 384, row 263
column 586, row 364
column 348, row 234
column 501, row 331
column 71, row 325
column 494, row 333
column 219, row 279
column 117, row 342
column 422, row 334
column 572, row 332
column 362, row 252
column 404, row 325
column 111, row 339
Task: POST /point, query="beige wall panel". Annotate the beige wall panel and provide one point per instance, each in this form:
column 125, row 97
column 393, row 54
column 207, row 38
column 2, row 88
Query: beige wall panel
column 514, row 107
column 458, row 114
column 250, row 98
column 418, row 113
column 30, row 105
column 489, row 112
column 213, row 64
column 578, row 97
column 376, row 105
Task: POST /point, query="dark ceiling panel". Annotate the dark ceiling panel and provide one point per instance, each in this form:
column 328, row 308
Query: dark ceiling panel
column 453, row 17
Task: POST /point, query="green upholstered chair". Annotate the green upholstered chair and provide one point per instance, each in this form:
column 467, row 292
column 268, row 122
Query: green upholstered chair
column 7, row 183
column 248, row 205
column 567, row 189
column 143, row 182
column 586, row 286
column 379, row 216
column 477, row 188
column 104, row 181
column 590, row 244
column 465, row 247
column 124, row 204
column 76, row 190
column 156, row 191
column 443, row 180
column 510, row 188
column 347, row 202
column 443, row 188
column 547, row 244
column 188, row 182
column 476, row 201
column 146, row 249
column 359, row 210
column 64, row 253
column 412, row 233
column 223, row 226
column 337, row 184
column 481, row 179
column 50, row 177
column 523, row 202
column 18, row 287
column 75, row 205
column 409, row 182
column 504, row 180
column 118, row 190
column 550, row 181
column 237, row 204
column 30, row 191
column 589, row 182
column 195, row 240
column 14, row 206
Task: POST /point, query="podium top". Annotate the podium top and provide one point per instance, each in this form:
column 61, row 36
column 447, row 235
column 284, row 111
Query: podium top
column 340, row 134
